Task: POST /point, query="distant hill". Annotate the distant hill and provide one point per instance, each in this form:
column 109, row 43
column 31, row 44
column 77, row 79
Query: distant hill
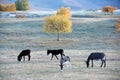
column 74, row 4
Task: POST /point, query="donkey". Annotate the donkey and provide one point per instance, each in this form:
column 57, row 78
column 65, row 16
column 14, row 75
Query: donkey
column 55, row 53
column 65, row 60
column 23, row 54
column 96, row 56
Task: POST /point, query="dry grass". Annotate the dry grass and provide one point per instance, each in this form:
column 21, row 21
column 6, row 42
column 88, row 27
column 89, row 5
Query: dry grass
column 9, row 20
column 41, row 68
column 17, row 36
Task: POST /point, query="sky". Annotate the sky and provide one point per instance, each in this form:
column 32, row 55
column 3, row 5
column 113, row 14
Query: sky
column 74, row 4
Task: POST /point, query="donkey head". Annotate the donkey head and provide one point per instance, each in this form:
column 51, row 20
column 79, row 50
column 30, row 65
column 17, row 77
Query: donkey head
column 61, row 66
column 87, row 63
column 48, row 51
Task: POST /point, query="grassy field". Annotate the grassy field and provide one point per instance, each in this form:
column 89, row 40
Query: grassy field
column 89, row 35
column 42, row 68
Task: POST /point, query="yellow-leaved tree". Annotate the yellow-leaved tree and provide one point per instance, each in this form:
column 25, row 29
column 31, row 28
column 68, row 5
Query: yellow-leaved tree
column 57, row 24
column 65, row 12
column 7, row 8
column 1, row 7
column 118, row 25
column 10, row 7
column 108, row 9
column 13, row 7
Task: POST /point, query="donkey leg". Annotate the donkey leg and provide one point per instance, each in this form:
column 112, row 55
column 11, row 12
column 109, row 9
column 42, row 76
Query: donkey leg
column 51, row 57
column 92, row 63
column 62, row 54
column 61, row 67
column 102, row 63
column 56, row 57
column 29, row 57
column 69, row 65
column 24, row 58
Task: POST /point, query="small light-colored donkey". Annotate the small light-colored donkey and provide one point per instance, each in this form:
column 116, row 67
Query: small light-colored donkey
column 65, row 60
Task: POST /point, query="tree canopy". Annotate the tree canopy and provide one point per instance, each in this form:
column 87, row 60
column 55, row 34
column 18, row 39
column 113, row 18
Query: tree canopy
column 1, row 7
column 7, row 7
column 22, row 4
column 108, row 9
column 10, row 7
column 57, row 24
column 65, row 12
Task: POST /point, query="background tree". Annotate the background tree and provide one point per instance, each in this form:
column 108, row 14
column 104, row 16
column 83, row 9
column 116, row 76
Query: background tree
column 118, row 25
column 108, row 9
column 57, row 24
column 10, row 7
column 22, row 4
column 65, row 12
column 1, row 7
column 13, row 7
column 7, row 8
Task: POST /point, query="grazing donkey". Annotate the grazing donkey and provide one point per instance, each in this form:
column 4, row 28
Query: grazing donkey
column 96, row 56
column 55, row 53
column 65, row 60
column 23, row 54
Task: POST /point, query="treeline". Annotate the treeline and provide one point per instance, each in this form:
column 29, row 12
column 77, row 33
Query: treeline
column 8, row 7
column 18, row 5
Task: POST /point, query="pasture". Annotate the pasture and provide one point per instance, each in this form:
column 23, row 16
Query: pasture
column 89, row 35
column 42, row 68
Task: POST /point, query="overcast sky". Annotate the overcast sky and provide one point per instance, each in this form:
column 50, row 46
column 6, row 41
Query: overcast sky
column 74, row 4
